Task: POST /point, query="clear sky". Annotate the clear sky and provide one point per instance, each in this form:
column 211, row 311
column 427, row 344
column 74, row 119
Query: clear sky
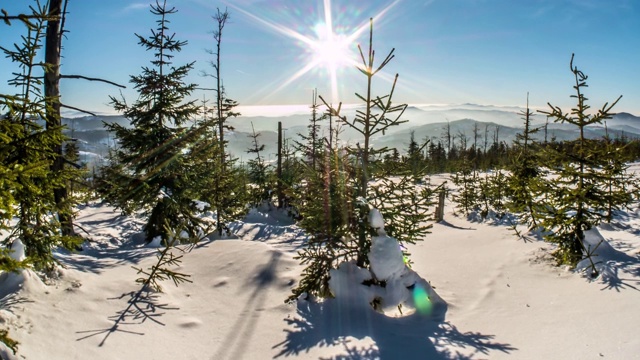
column 447, row 51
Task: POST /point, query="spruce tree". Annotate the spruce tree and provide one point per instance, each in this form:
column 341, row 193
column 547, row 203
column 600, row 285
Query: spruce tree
column 618, row 182
column 336, row 217
column 220, row 181
column 415, row 161
column 467, row 184
column 492, row 194
column 151, row 169
column 311, row 144
column 224, row 192
column 29, row 150
column 523, row 187
column 258, row 170
column 575, row 198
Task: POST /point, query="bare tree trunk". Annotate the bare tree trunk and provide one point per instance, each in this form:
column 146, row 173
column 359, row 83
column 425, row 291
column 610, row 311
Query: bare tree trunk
column 53, row 117
column 279, row 169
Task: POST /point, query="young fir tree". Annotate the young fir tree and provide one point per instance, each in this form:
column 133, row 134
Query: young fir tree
column 220, row 181
column 291, row 176
column 312, row 144
column 415, row 161
column 226, row 194
column 618, row 182
column 29, row 151
column 151, row 169
column 576, row 195
column 258, row 171
column 522, row 182
column 337, row 220
column 467, row 182
column 326, row 214
column 492, row 194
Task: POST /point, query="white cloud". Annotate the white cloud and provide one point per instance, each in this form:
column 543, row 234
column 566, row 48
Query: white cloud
column 135, row 6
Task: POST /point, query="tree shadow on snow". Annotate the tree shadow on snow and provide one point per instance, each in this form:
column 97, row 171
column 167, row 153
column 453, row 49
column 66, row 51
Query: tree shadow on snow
column 96, row 261
column 448, row 224
column 411, row 337
column 142, row 306
column 241, row 333
column 11, row 300
column 287, row 235
column 613, row 270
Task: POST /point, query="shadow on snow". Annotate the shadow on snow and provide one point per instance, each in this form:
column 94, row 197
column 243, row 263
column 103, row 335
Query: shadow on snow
column 241, row 333
column 412, row 337
column 142, row 305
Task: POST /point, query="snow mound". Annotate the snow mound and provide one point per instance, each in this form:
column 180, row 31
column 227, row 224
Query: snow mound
column 6, row 353
column 17, row 250
column 23, row 279
column 376, row 220
column 603, row 256
column 387, row 260
column 390, row 285
column 156, row 242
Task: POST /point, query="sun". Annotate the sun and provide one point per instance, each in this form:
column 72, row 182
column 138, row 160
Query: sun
column 331, row 50
column 326, row 50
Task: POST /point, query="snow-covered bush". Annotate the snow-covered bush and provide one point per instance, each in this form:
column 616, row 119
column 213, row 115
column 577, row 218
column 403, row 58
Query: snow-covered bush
column 389, row 285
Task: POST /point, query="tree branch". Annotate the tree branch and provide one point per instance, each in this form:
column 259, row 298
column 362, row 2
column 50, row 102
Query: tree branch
column 76, row 109
column 72, row 163
column 91, row 79
column 22, row 17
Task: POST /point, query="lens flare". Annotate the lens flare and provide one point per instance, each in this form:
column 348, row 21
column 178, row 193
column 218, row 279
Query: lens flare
column 421, row 300
column 328, row 49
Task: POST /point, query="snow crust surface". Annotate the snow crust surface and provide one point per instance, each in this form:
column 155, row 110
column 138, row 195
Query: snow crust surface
column 504, row 298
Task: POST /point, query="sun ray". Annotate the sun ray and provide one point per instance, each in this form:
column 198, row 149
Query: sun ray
column 327, row 50
column 365, row 25
column 297, row 75
column 278, row 28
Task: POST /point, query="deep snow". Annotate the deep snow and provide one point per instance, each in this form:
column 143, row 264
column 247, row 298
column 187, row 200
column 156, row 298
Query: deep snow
column 505, row 299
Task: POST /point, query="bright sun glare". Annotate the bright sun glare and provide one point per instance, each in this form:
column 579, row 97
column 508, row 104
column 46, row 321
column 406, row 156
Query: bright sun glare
column 331, row 50
column 327, row 49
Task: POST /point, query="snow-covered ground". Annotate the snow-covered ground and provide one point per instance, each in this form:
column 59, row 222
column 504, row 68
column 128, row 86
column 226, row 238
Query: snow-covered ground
column 504, row 299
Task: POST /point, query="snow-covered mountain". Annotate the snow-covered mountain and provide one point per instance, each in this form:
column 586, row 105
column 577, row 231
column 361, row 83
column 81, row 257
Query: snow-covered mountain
column 426, row 121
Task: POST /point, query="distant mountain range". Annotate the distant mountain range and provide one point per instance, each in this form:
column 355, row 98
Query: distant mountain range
column 425, row 121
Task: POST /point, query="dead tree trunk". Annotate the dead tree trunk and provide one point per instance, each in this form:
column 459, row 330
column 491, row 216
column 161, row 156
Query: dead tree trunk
column 53, row 117
column 279, row 170
column 440, row 208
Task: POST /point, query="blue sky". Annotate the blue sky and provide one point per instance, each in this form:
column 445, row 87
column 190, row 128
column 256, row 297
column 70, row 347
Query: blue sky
column 447, row 51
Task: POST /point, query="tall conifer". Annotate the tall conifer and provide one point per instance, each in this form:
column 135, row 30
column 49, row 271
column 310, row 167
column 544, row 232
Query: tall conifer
column 29, row 151
column 151, row 169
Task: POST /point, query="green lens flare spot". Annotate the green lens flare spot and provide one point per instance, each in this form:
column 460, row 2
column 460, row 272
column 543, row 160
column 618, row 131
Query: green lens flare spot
column 421, row 300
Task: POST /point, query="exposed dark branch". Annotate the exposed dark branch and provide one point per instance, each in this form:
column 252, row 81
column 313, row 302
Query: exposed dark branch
column 62, row 22
column 72, row 164
column 91, row 79
column 22, row 17
column 76, row 109
column 84, row 230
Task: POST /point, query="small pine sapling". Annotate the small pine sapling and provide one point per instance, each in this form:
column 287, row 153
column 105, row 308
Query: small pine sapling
column 467, row 182
column 336, row 217
column 226, row 194
column 523, row 187
column 260, row 175
column 618, row 188
column 575, row 196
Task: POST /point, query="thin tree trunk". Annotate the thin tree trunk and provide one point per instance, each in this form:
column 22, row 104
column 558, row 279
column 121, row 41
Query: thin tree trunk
column 279, row 169
column 53, row 117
